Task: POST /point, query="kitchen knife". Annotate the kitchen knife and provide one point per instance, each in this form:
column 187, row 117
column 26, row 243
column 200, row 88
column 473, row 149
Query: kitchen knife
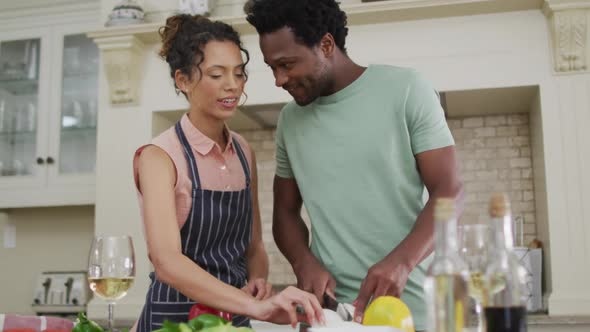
column 342, row 309
column 330, row 302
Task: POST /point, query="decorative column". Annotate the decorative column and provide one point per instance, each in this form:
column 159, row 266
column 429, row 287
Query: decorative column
column 126, row 125
column 566, row 113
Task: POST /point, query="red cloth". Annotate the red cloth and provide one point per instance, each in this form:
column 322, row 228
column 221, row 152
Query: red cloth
column 20, row 323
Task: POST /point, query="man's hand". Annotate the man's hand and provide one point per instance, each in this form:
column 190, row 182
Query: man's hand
column 387, row 277
column 314, row 278
column 258, row 288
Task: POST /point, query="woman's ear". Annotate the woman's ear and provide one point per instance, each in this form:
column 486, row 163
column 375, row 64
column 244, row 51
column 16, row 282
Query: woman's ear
column 182, row 80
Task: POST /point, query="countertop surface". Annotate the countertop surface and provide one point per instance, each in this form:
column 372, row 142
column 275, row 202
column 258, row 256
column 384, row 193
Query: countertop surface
column 544, row 319
column 533, row 319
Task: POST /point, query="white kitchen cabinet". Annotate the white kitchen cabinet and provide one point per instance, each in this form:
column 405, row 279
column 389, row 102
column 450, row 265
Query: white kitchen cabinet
column 48, row 115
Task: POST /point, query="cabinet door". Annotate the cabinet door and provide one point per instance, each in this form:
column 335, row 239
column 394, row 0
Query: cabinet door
column 73, row 143
column 23, row 108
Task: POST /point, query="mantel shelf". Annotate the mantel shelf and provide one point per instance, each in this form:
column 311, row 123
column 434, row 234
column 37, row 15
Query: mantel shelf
column 358, row 14
column 122, row 46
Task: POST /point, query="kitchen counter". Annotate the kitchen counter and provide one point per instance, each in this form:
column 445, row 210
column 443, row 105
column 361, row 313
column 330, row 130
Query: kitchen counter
column 542, row 319
column 546, row 323
column 536, row 323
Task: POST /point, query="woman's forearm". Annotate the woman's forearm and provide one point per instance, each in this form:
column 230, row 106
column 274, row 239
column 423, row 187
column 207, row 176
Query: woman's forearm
column 181, row 273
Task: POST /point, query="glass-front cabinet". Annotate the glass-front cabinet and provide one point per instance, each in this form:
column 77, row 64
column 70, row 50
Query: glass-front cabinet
column 73, row 147
column 48, row 116
column 78, row 104
column 19, row 106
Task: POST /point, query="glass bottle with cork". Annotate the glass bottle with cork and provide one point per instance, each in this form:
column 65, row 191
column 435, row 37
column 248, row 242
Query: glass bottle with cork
column 505, row 277
column 446, row 284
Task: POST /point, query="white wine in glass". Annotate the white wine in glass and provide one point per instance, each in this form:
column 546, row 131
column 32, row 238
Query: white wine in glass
column 110, row 289
column 111, row 269
column 474, row 247
column 477, row 288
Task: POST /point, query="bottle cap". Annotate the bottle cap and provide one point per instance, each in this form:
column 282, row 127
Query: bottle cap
column 444, row 209
column 499, row 205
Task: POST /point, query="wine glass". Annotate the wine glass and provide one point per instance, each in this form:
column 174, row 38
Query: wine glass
column 474, row 246
column 111, row 269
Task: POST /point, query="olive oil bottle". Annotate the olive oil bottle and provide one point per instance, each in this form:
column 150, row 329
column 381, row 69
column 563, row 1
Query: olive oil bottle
column 446, row 284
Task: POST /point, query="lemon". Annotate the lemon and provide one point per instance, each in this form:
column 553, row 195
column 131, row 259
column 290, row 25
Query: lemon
column 389, row 311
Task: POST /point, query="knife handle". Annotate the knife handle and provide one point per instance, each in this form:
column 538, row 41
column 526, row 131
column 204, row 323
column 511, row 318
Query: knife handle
column 299, row 309
column 330, row 302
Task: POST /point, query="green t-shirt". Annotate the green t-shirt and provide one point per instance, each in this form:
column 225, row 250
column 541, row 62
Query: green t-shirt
column 352, row 155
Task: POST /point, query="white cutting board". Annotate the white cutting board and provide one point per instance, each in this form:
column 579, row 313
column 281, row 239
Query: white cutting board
column 355, row 328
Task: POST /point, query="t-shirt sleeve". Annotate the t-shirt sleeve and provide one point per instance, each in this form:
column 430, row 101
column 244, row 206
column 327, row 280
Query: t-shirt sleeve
column 282, row 158
column 425, row 117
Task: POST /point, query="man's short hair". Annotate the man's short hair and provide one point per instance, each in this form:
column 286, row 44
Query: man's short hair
column 309, row 20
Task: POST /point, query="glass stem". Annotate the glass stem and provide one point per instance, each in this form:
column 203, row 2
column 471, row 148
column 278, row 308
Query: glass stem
column 111, row 317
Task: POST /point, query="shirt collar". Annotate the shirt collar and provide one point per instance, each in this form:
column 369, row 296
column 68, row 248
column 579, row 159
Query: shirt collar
column 199, row 141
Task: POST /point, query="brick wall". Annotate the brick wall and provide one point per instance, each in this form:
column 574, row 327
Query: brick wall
column 494, row 153
column 262, row 142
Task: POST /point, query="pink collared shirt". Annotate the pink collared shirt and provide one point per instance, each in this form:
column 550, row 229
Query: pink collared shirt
column 218, row 170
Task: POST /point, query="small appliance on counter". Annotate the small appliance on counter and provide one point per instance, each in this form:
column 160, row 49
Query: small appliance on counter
column 61, row 293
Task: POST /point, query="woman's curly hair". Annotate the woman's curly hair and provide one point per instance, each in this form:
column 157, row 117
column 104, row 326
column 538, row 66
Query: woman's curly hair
column 184, row 38
column 309, row 20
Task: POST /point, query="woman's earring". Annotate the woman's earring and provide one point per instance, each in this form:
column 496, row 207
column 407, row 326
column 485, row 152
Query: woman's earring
column 245, row 99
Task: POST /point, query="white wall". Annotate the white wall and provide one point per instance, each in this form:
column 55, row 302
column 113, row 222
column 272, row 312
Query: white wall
column 540, row 186
column 47, row 239
column 565, row 102
column 456, row 53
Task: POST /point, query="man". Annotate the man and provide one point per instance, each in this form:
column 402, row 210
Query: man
column 357, row 145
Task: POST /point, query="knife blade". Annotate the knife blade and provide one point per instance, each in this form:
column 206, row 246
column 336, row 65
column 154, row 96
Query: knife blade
column 342, row 309
column 346, row 311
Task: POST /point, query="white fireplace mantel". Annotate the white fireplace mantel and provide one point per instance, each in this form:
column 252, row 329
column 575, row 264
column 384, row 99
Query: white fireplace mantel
column 118, row 59
column 357, row 14
column 568, row 24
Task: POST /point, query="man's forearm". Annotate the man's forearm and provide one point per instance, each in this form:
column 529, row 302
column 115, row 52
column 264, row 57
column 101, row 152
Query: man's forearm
column 257, row 263
column 292, row 237
column 419, row 243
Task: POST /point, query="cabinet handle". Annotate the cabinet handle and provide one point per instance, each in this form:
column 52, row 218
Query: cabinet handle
column 50, row 160
column 40, row 161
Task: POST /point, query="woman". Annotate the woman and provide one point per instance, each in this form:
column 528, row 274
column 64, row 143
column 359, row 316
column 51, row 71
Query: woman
column 197, row 186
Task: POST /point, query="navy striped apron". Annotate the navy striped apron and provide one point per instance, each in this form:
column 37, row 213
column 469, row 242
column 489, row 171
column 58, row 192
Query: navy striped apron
column 215, row 236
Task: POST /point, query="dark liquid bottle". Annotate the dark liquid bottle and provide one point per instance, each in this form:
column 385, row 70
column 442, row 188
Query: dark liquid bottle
column 505, row 319
column 505, row 278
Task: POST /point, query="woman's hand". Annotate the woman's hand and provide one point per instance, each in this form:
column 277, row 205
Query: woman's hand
column 258, row 288
column 281, row 308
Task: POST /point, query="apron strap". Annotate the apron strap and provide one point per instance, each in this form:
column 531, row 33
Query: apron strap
column 243, row 161
column 190, row 158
